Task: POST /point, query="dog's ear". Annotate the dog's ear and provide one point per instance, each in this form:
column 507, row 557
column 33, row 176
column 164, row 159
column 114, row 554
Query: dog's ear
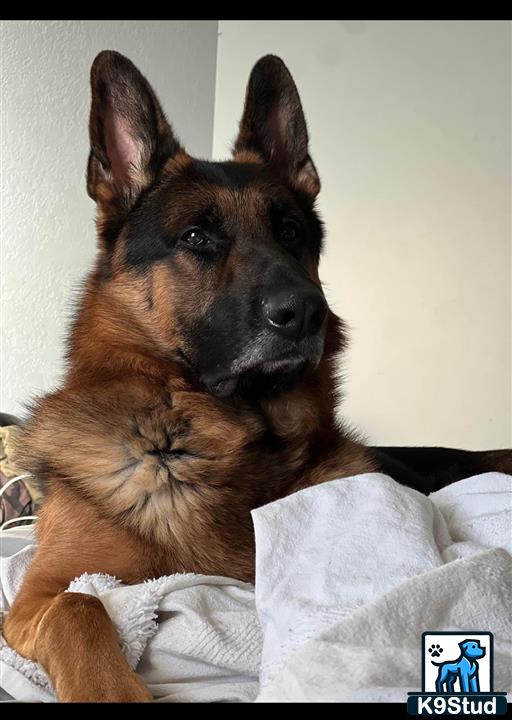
column 130, row 137
column 274, row 127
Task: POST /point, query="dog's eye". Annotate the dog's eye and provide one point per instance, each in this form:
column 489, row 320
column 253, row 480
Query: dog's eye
column 290, row 232
column 195, row 237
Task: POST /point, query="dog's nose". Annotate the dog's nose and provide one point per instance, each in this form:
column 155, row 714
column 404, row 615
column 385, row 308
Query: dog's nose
column 295, row 314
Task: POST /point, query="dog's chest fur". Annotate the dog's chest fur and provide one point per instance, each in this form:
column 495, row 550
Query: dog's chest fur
column 175, row 469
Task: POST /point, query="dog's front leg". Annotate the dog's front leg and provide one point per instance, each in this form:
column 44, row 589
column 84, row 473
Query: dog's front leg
column 474, row 684
column 72, row 637
column 464, row 681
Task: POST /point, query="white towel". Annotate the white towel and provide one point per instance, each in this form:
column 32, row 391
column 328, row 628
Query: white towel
column 207, row 647
column 343, row 605
column 349, row 574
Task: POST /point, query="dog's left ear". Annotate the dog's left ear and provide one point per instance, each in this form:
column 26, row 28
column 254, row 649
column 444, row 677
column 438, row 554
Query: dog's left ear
column 274, row 127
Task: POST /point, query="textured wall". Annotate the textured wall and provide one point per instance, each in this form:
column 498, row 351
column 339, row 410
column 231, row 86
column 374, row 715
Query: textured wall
column 410, row 127
column 47, row 225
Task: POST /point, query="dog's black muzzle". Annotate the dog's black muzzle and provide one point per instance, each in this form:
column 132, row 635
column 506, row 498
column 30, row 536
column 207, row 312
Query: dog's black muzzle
column 265, row 336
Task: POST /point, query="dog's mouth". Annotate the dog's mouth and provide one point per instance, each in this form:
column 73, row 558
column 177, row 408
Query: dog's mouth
column 263, row 365
column 267, row 377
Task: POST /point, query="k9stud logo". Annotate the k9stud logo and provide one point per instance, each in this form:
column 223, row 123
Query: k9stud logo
column 457, row 676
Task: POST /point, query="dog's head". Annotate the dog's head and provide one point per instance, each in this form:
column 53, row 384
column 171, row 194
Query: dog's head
column 214, row 263
column 472, row 649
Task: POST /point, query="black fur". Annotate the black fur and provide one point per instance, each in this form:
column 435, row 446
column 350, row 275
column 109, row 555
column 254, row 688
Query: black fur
column 428, row 469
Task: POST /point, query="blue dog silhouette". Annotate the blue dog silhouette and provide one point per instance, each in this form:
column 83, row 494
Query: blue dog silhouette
column 465, row 669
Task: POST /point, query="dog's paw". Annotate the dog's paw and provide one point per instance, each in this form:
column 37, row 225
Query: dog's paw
column 110, row 690
column 435, row 650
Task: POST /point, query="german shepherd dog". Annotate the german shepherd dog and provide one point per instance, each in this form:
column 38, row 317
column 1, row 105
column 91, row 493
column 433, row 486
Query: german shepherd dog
column 201, row 372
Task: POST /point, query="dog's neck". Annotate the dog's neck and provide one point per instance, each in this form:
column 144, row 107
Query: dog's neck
column 107, row 342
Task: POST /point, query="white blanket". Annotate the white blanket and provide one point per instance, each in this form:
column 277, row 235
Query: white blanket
column 349, row 574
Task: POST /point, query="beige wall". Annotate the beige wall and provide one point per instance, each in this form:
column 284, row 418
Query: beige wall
column 47, row 220
column 410, row 128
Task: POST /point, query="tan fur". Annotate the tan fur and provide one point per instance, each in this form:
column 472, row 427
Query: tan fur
column 246, row 156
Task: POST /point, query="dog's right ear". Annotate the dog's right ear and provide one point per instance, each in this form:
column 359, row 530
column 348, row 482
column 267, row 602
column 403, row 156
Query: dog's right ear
column 130, row 136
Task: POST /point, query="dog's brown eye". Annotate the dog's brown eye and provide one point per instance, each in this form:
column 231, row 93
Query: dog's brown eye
column 195, row 237
column 289, row 232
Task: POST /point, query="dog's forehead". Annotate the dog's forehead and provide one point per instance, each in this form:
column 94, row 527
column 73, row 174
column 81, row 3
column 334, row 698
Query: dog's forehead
column 231, row 189
column 231, row 174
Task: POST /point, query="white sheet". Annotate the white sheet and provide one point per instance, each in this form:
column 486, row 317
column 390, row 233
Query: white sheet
column 349, row 574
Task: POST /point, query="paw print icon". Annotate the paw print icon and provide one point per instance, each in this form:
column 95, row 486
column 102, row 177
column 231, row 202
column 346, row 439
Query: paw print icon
column 435, row 650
